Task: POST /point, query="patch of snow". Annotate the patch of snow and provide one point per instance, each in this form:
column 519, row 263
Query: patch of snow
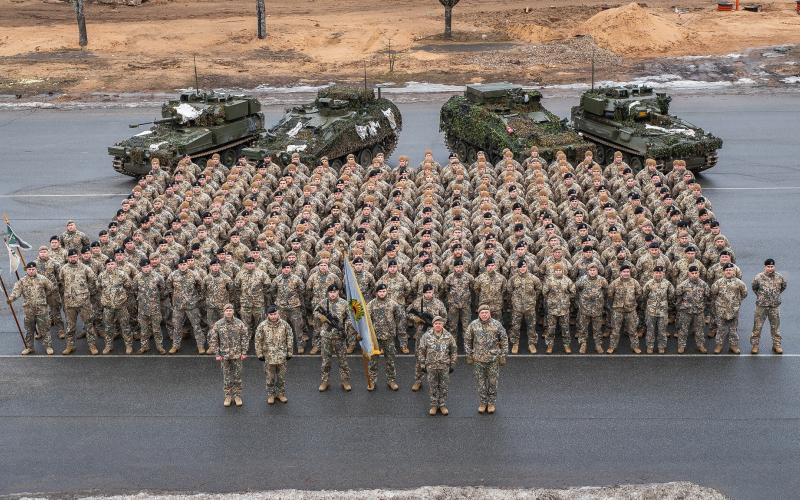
column 291, row 90
column 146, row 132
column 187, row 112
column 291, row 148
column 684, row 131
column 791, row 79
column 295, row 129
column 389, row 114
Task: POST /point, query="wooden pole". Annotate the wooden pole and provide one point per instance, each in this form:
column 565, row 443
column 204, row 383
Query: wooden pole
column 365, row 362
column 83, row 39
column 261, row 14
column 13, row 312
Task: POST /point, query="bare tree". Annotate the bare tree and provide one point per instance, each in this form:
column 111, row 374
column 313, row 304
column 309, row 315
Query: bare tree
column 83, row 39
column 391, row 53
column 448, row 16
column 262, row 19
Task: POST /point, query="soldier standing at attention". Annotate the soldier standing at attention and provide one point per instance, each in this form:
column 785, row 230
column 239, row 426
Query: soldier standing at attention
column 486, row 345
column 333, row 338
column 438, row 353
column 524, row 288
column 657, row 295
column 149, row 288
column 228, row 338
column 274, row 343
column 183, row 285
column 768, row 286
column 557, row 291
column 728, row 293
column 253, row 286
column 34, row 289
column 691, row 296
column 387, row 317
column 624, row 293
column 591, row 289
column 79, row 282
column 288, row 289
column 113, row 285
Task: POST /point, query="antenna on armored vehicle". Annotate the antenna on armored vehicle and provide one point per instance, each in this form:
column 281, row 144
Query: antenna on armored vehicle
column 196, row 80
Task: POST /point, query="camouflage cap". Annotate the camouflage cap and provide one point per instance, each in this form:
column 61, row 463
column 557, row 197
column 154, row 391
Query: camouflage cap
column 484, row 307
column 438, row 319
column 227, row 306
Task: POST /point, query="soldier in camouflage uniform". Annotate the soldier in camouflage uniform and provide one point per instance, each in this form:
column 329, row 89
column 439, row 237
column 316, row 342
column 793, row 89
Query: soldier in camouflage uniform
column 50, row 268
column 253, row 286
column 489, row 288
column 228, row 338
column 333, row 338
column 591, row 298
column 288, row 289
column 657, row 295
column 557, row 293
column 113, row 285
column 218, row 288
column 183, row 285
column 458, row 296
column 524, row 288
column 79, row 283
column 486, row 345
column 316, row 289
column 388, row 317
column 768, row 286
column 438, row 352
column 691, row 296
column 34, row 288
column 72, row 239
column 398, row 288
column 274, row 344
column 426, row 305
column 728, row 293
column 149, row 287
column 624, row 294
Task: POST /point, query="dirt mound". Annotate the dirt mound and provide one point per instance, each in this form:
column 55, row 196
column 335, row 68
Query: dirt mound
column 632, row 30
column 532, row 33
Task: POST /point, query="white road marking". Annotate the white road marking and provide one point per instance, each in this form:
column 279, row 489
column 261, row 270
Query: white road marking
column 768, row 188
column 79, row 195
column 510, row 357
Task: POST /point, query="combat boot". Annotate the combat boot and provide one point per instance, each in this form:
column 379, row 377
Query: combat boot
column 227, row 402
column 393, row 385
column 582, row 348
column 61, row 334
column 735, row 349
column 637, row 350
column 443, row 410
column 649, row 349
column 482, row 408
column 93, row 350
column 702, row 349
column 610, row 350
column 27, row 351
column 662, row 350
column 49, row 351
column 143, row 349
column 238, row 400
column 271, row 400
column 490, row 408
column 81, row 334
column 128, row 349
column 160, row 349
column 108, row 348
column 301, row 349
column 532, row 348
column 515, row 348
column 777, row 349
column 549, row 349
column 754, row 350
column 567, row 349
column 432, row 411
column 717, row 348
column 282, row 398
column 417, row 386
column 314, row 350
column 323, row 387
column 370, row 386
column 346, row 386
column 68, row 350
column 598, row 348
column 681, row 349
column 174, row 349
column 404, row 349
column 351, row 348
column 201, row 350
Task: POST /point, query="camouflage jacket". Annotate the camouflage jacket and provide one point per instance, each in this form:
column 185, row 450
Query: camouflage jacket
column 524, row 290
column 149, row 288
column 485, row 341
column 692, row 295
column 49, row 269
column 317, row 286
column 624, row 294
column 388, row 317
column 657, row 296
column 288, row 291
column 397, row 287
column 253, row 287
column 591, row 293
column 184, row 288
column 489, row 288
column 33, row 290
column 113, row 287
column 768, row 289
column 437, row 351
column 274, row 341
column 218, row 288
column 422, row 278
column 434, row 307
column 557, row 295
column 75, row 240
column 228, row 338
column 728, row 295
column 459, row 289
column 78, row 281
column 338, row 310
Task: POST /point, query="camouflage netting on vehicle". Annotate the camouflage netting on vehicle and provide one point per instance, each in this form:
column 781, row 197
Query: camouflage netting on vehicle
column 345, row 93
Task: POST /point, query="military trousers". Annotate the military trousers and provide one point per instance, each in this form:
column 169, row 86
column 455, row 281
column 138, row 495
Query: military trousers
column 528, row 315
column 334, row 344
column 37, row 322
column 458, row 316
column 115, row 320
column 54, row 307
column 690, row 323
column 150, row 326
column 624, row 321
column 728, row 329
column 656, row 330
column 213, row 314
column 83, row 311
column 232, row 377
column 294, row 316
column 774, row 316
column 276, row 379
column 487, row 375
column 179, row 316
column 438, row 384
column 551, row 322
column 389, row 352
column 585, row 321
column 251, row 316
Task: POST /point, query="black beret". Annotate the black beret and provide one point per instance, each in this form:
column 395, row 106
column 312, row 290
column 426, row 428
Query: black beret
column 127, row 240
column 30, row 265
column 333, row 288
column 727, row 266
column 392, row 262
column 690, row 248
column 213, row 261
column 144, row 262
column 285, row 263
column 658, row 269
column 458, row 262
column 624, row 267
column 489, row 261
column 654, row 244
column 769, row 262
column 693, row 269
column 587, row 249
column 85, row 249
column 520, row 244
column 521, row 263
column 427, row 287
column 249, row 259
column 271, row 309
column 119, row 250
column 380, row 287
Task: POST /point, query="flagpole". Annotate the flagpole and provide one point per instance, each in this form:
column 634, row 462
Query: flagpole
column 21, row 257
column 365, row 362
column 19, row 250
column 13, row 313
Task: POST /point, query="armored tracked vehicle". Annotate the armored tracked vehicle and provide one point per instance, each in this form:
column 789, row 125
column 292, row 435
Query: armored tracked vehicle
column 340, row 121
column 636, row 121
column 197, row 124
column 495, row 116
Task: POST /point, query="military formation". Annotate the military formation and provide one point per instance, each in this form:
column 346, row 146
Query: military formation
column 249, row 259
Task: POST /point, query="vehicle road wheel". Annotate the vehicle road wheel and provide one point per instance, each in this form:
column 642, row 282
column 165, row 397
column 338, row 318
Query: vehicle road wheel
column 201, row 162
column 365, row 157
column 471, row 156
column 228, row 157
column 336, row 164
column 635, row 164
column 460, row 150
column 377, row 149
column 600, row 155
column 609, row 155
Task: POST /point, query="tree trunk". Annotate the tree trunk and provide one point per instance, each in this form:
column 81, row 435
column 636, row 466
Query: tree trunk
column 262, row 19
column 448, row 22
column 83, row 39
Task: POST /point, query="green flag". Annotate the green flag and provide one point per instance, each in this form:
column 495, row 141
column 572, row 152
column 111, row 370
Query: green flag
column 14, row 241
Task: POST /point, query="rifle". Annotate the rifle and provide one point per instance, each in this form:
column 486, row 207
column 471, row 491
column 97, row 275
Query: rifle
column 328, row 318
column 425, row 318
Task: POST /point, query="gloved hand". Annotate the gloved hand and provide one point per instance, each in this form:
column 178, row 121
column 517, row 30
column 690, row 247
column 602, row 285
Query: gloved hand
column 218, row 357
column 242, row 357
column 451, row 370
column 288, row 356
column 424, row 369
column 261, row 358
column 469, row 360
column 502, row 361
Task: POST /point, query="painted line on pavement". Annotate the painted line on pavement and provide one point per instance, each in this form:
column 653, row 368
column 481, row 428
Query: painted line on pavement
column 772, row 188
column 510, row 357
column 83, row 195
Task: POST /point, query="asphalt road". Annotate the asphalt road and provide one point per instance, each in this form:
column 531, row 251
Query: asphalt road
column 126, row 424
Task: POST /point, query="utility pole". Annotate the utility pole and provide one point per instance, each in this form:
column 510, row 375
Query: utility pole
column 261, row 14
column 83, row 39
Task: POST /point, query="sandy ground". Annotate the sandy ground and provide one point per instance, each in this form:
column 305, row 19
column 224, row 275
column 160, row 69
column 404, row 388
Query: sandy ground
column 150, row 47
column 665, row 491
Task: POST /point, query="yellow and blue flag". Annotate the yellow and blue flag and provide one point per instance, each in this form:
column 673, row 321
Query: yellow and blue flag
column 358, row 312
